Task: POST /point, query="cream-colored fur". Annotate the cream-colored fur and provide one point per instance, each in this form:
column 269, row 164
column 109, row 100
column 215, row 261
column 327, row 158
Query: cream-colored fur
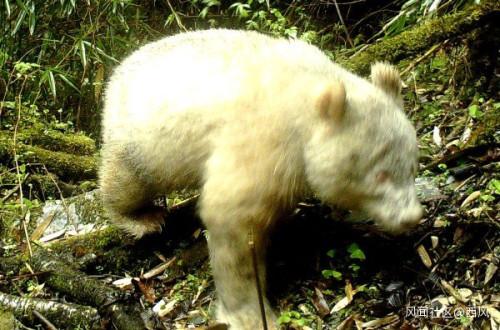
column 256, row 123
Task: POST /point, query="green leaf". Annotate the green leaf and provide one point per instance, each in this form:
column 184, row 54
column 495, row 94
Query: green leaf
column 284, row 319
column 330, row 273
column 68, row 82
column 355, row 268
column 356, row 252
column 7, row 7
column 103, row 53
column 442, row 167
column 19, row 21
column 331, row 253
column 475, row 112
column 494, row 186
column 241, row 10
column 52, row 84
column 83, row 53
column 32, row 22
column 487, row 198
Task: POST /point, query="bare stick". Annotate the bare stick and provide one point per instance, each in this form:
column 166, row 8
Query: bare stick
column 63, row 201
column 64, row 315
column 257, row 282
column 433, row 49
column 47, row 323
column 343, row 24
column 158, row 269
column 18, row 172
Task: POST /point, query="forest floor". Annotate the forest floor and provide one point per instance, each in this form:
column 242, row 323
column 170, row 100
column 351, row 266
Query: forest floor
column 326, row 272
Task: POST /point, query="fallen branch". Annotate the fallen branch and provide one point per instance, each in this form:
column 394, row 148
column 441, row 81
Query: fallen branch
column 64, row 165
column 63, row 315
column 76, row 144
column 65, row 278
column 479, row 149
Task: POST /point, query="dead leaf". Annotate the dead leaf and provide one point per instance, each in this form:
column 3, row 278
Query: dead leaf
column 440, row 223
column 490, row 272
column 466, row 135
column 424, row 256
column 472, row 197
column 434, row 241
column 38, row 232
column 98, row 81
column 201, row 288
column 197, row 233
column 162, row 308
column 124, row 283
column 348, row 290
column 347, row 324
column 465, row 293
column 158, row 269
column 436, row 136
column 377, row 323
column 320, row 303
column 452, row 291
column 493, row 312
column 53, row 236
column 146, row 289
column 342, row 303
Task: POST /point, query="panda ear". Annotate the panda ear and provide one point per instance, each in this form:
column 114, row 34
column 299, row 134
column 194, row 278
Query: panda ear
column 386, row 77
column 331, row 101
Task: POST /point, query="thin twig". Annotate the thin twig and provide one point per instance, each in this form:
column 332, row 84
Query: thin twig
column 182, row 204
column 251, row 244
column 461, row 153
column 13, row 190
column 26, row 219
column 158, row 269
column 343, row 24
column 63, row 201
column 433, row 49
column 18, row 172
column 47, row 323
column 25, row 276
column 177, row 18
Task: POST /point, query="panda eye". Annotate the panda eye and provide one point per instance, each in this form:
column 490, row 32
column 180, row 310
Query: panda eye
column 382, row 177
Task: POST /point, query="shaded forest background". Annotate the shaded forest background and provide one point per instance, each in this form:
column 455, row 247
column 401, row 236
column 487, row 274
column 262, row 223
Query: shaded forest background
column 55, row 56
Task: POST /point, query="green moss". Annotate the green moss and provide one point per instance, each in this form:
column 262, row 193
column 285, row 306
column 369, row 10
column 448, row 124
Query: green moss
column 7, row 320
column 77, row 144
column 96, row 241
column 64, row 165
column 416, row 40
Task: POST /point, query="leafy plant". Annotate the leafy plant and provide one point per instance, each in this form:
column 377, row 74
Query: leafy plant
column 331, row 273
column 355, row 252
column 293, row 318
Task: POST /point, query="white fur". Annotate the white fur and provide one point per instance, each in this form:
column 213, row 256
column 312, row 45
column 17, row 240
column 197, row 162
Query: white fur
column 242, row 116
